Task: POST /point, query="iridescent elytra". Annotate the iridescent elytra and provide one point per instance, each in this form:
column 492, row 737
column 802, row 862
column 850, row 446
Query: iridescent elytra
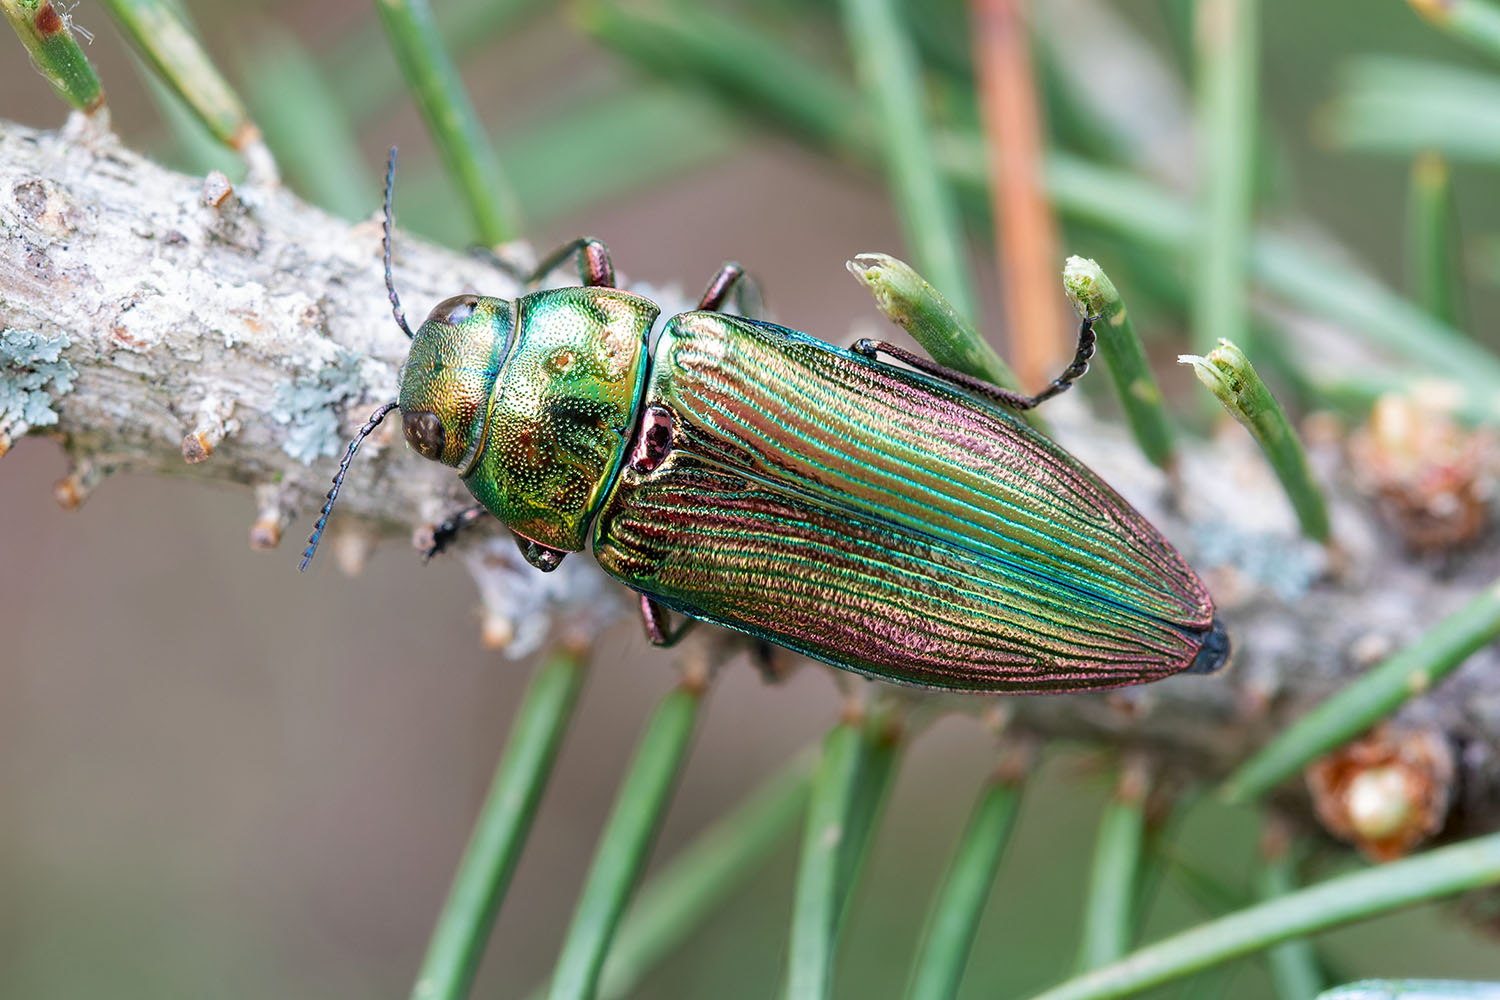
column 899, row 522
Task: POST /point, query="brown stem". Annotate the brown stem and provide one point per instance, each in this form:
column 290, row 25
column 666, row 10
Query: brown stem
column 1025, row 229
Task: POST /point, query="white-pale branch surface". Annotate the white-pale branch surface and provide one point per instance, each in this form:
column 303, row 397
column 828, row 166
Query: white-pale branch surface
column 154, row 322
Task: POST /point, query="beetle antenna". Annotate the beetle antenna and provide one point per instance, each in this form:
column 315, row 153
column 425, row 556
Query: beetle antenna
column 385, row 243
column 338, row 479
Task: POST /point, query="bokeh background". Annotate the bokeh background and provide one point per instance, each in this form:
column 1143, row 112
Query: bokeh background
column 221, row 778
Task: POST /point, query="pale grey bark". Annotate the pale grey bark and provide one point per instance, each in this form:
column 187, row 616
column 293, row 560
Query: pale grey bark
column 237, row 335
column 245, row 340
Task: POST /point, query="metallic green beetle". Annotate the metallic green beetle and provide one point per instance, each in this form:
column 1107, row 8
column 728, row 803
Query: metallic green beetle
column 901, row 524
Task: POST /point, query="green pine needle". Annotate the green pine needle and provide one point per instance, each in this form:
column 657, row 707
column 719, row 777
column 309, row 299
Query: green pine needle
column 705, row 874
column 1432, row 238
column 908, row 300
column 859, row 758
column 1093, row 294
column 1110, row 908
column 1364, row 894
column 1475, row 21
column 625, row 843
column 500, row 832
column 959, row 901
column 887, row 65
column 47, row 33
column 451, row 119
column 157, row 30
column 1227, row 35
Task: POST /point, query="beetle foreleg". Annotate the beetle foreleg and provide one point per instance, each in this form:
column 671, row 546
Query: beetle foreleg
column 731, row 280
column 1005, row 397
column 480, row 252
column 443, row 534
column 594, row 265
column 658, row 622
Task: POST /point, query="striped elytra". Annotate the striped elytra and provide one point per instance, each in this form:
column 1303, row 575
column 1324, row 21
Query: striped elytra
column 875, row 519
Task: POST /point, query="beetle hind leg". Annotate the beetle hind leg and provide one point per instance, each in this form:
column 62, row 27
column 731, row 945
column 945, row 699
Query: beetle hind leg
column 773, row 662
column 658, row 621
column 732, row 284
column 1005, row 397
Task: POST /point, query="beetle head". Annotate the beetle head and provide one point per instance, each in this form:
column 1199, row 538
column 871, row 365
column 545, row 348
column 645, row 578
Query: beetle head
column 446, row 381
column 449, row 376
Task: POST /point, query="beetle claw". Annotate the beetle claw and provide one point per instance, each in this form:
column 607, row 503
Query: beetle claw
column 444, row 533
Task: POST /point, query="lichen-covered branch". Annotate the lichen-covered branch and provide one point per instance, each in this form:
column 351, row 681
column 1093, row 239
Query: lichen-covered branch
column 156, row 322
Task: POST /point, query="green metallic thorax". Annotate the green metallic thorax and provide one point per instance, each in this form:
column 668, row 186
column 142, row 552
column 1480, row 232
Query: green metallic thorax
column 561, row 411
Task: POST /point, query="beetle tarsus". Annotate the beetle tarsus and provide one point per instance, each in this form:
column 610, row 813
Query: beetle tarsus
column 444, row 534
column 658, row 622
column 1087, row 340
column 865, row 347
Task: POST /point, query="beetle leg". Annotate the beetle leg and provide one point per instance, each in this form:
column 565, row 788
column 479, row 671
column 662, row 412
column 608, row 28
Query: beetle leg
column 773, row 662
column 731, row 280
column 1005, row 397
column 658, row 622
column 443, row 534
column 543, row 557
column 488, row 255
column 594, row 265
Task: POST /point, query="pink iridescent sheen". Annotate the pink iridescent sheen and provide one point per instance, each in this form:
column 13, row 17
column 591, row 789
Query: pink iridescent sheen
column 890, row 525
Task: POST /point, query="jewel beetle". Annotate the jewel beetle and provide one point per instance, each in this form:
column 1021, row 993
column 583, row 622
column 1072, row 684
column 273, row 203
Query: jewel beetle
column 899, row 522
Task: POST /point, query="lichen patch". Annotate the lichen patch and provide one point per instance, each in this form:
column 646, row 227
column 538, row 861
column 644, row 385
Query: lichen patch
column 33, row 374
column 307, row 405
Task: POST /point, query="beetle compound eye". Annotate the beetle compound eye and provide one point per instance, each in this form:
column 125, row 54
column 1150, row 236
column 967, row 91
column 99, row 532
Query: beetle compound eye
column 453, row 311
column 424, row 432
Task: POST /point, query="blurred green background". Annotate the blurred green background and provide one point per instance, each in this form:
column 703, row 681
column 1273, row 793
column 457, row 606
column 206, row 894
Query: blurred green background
column 220, row 778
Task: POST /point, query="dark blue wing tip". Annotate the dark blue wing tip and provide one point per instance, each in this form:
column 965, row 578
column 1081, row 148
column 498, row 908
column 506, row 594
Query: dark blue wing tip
column 1214, row 652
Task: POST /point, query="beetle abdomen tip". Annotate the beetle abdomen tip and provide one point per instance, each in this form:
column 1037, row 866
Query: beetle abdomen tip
column 1214, row 652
